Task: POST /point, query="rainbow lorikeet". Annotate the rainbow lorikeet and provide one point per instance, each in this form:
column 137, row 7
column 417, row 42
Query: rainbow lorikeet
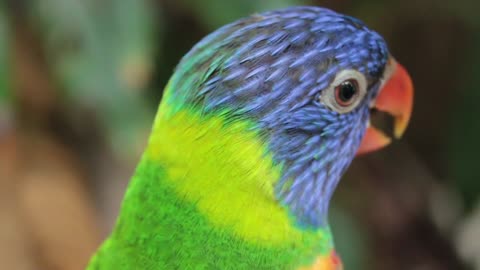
column 256, row 126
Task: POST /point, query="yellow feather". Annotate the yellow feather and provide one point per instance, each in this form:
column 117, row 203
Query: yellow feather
column 227, row 172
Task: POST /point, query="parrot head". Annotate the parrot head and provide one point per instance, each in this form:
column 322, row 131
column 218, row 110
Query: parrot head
column 308, row 78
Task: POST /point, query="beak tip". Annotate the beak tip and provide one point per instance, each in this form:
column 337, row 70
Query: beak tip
column 400, row 127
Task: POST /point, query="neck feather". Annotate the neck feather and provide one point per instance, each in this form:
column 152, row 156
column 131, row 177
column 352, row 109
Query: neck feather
column 214, row 183
column 227, row 170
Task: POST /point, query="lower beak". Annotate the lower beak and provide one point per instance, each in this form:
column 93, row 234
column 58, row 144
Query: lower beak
column 395, row 98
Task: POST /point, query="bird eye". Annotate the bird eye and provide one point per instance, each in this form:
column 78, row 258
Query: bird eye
column 345, row 92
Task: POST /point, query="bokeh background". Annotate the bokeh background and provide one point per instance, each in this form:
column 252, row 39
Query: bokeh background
column 80, row 81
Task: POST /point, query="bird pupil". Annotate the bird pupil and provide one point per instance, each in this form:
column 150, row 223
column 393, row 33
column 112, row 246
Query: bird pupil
column 347, row 91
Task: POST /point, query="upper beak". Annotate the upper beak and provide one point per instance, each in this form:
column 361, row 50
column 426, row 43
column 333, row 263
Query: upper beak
column 395, row 98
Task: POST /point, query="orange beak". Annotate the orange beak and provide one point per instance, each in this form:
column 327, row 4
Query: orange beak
column 395, row 98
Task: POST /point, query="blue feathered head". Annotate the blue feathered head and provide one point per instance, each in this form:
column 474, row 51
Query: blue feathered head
column 308, row 77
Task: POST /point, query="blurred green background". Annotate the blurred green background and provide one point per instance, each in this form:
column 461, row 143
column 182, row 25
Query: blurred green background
column 80, row 81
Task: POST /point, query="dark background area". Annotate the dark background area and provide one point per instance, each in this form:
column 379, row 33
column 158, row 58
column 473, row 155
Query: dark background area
column 80, row 81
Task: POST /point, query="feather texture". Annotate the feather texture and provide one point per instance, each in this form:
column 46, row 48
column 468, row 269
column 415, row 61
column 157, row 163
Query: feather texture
column 244, row 157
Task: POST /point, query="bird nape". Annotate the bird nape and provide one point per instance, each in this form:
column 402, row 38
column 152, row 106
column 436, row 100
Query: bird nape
column 256, row 127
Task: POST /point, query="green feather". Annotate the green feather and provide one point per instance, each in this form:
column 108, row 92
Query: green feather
column 202, row 198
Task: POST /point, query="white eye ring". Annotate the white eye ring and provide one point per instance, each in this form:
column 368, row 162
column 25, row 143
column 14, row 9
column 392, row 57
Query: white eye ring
column 355, row 82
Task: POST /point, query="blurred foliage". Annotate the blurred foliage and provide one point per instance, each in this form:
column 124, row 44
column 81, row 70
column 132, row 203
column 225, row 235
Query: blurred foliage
column 207, row 10
column 467, row 10
column 350, row 239
column 5, row 94
column 465, row 128
column 102, row 53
